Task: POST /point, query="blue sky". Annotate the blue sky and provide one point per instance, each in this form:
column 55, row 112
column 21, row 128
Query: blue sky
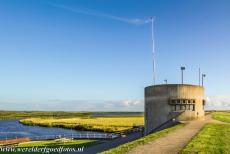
column 60, row 54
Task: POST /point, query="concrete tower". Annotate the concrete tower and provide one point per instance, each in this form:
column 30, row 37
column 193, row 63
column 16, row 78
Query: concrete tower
column 164, row 103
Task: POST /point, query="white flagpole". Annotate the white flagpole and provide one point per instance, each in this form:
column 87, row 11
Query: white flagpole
column 153, row 51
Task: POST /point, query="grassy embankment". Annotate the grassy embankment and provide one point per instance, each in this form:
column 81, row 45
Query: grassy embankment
column 222, row 116
column 4, row 115
column 56, row 143
column 131, row 145
column 213, row 138
column 104, row 124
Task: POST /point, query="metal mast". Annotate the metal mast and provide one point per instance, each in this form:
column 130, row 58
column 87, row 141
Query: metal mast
column 199, row 76
column 153, row 50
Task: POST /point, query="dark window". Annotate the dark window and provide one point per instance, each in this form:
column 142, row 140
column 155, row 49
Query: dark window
column 182, row 104
column 173, row 107
column 203, row 102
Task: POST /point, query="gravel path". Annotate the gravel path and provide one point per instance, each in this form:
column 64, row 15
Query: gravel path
column 173, row 142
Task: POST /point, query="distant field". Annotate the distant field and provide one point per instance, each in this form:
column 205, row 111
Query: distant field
column 222, row 116
column 4, row 115
column 105, row 124
column 212, row 139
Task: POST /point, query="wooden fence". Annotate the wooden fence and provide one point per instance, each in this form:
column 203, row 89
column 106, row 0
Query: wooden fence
column 14, row 141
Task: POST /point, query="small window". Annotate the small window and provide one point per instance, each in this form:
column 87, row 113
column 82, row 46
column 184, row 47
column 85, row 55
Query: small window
column 178, row 107
column 182, row 107
column 187, row 107
column 191, row 107
column 173, row 107
column 203, row 102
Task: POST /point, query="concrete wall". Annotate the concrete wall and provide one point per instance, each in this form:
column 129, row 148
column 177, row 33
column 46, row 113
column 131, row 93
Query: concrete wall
column 158, row 109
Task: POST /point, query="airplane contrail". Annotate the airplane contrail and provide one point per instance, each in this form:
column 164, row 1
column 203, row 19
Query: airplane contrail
column 135, row 21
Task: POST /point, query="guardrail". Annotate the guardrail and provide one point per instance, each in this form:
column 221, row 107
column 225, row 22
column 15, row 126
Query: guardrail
column 82, row 135
column 78, row 136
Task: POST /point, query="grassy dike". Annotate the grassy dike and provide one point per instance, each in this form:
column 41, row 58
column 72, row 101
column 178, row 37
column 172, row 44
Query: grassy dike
column 103, row 124
column 222, row 116
column 54, row 143
column 212, row 139
column 131, row 145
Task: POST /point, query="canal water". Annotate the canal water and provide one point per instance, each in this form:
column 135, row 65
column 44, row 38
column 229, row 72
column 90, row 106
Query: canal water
column 11, row 129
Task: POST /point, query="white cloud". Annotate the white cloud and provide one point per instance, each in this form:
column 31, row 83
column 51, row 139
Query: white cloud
column 74, row 105
column 135, row 21
column 130, row 103
column 217, row 102
column 212, row 103
column 127, row 105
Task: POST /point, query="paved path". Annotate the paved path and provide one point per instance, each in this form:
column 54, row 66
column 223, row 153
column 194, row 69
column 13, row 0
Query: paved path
column 173, row 142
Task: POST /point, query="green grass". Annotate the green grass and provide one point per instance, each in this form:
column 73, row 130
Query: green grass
column 212, row 139
column 103, row 124
column 129, row 146
column 222, row 116
column 54, row 143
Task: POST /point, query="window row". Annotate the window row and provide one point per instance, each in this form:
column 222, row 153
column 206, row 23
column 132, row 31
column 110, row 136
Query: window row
column 181, row 107
column 182, row 101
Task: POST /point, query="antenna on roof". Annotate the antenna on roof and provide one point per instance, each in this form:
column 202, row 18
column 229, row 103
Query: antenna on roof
column 153, row 50
column 199, row 76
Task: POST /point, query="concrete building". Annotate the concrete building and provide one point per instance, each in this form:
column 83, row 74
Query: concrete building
column 172, row 102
